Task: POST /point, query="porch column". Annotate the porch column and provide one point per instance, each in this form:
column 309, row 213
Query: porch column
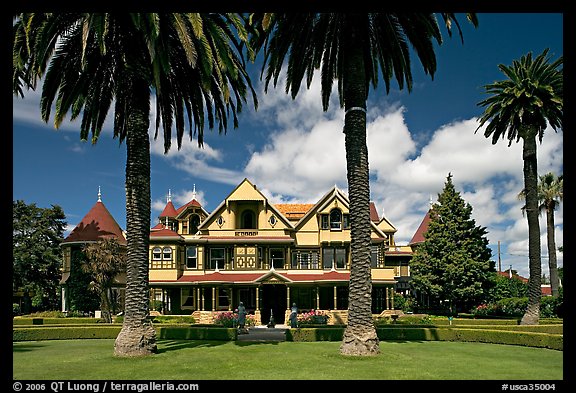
column 213, row 298
column 230, row 299
column 335, row 297
column 203, row 298
column 288, row 298
column 387, row 301
column 317, row 297
column 258, row 298
column 198, row 307
column 392, row 297
column 64, row 299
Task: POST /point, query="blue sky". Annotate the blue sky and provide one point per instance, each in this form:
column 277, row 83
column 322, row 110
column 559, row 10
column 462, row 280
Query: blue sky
column 294, row 152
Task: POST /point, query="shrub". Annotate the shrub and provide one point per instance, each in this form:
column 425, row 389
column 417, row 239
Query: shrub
column 313, row 317
column 15, row 309
column 230, row 319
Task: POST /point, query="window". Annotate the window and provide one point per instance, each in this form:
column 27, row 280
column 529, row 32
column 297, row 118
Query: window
column 223, row 300
column 191, row 257
column 346, row 221
column 167, row 254
column 334, row 257
column 194, row 223
column 273, row 220
column 248, row 220
column 217, row 258
column 325, row 221
column 277, row 258
column 335, row 220
column 157, row 254
column 220, row 221
column 374, row 254
column 305, row 259
column 187, row 299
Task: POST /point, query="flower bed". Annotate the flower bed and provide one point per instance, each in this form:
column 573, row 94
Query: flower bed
column 313, row 317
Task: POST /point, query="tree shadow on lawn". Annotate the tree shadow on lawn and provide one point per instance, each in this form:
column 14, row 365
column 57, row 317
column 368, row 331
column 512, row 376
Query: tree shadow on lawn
column 26, row 347
column 174, row 345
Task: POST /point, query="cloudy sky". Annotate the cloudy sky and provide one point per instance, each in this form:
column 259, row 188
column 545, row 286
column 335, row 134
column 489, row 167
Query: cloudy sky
column 294, row 152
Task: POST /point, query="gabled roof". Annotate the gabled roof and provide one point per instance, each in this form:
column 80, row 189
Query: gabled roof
column 335, row 192
column 193, row 203
column 419, row 234
column 260, row 197
column 96, row 225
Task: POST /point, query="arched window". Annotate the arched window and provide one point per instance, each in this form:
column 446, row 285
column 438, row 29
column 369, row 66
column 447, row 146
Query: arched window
column 167, row 253
column 157, row 253
column 194, row 223
column 248, row 220
column 335, row 219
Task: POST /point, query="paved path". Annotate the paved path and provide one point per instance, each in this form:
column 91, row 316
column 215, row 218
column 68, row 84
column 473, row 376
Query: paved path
column 264, row 334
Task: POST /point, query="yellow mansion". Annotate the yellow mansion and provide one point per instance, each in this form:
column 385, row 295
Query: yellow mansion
column 249, row 250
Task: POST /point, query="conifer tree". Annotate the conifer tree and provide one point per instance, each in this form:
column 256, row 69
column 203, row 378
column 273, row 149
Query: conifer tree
column 451, row 270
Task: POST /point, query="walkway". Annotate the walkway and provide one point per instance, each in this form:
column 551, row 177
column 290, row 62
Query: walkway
column 262, row 333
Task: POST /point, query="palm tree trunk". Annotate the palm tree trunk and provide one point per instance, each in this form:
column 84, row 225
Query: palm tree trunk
column 532, row 314
column 552, row 263
column 137, row 337
column 360, row 337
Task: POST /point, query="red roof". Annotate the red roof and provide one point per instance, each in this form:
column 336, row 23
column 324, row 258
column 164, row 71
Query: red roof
column 163, row 232
column 374, row 213
column 96, row 225
column 419, row 235
column 193, row 202
column 169, row 210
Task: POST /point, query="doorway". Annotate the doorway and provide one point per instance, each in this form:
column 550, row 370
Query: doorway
column 274, row 299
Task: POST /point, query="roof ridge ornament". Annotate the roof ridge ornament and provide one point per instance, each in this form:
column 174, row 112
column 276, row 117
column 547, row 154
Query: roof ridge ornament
column 194, row 192
column 169, row 198
column 99, row 195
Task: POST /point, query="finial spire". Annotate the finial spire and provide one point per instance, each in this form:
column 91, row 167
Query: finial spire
column 169, row 199
column 99, row 195
column 194, row 192
column 430, row 201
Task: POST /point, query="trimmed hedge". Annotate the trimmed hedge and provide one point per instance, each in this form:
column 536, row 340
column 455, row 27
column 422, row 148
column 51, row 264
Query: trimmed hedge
column 196, row 333
column 64, row 333
column 547, row 336
column 405, row 333
column 54, row 321
column 174, row 332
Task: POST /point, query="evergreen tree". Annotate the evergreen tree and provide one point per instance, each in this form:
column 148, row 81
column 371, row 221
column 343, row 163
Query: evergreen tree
column 36, row 236
column 451, row 270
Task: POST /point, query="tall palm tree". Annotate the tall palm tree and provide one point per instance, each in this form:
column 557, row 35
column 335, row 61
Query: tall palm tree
column 521, row 107
column 352, row 48
column 550, row 194
column 192, row 63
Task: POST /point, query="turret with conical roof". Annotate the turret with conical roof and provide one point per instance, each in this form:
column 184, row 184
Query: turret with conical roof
column 96, row 225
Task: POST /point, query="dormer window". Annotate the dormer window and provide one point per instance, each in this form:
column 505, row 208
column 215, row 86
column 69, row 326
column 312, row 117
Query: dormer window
column 194, row 223
column 248, row 220
column 335, row 220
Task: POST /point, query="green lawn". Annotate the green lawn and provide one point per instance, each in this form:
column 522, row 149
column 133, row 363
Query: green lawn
column 225, row 360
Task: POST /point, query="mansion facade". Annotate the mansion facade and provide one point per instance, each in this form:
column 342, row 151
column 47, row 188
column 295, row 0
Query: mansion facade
column 249, row 250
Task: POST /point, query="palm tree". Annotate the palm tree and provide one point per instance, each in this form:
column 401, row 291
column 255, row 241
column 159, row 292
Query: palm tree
column 192, row 63
column 520, row 107
column 550, row 194
column 105, row 259
column 352, row 48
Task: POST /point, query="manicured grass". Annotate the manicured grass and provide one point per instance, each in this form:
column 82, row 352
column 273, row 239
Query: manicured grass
column 228, row 360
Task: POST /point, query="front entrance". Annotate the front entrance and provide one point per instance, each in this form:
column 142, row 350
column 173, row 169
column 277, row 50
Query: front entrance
column 273, row 302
